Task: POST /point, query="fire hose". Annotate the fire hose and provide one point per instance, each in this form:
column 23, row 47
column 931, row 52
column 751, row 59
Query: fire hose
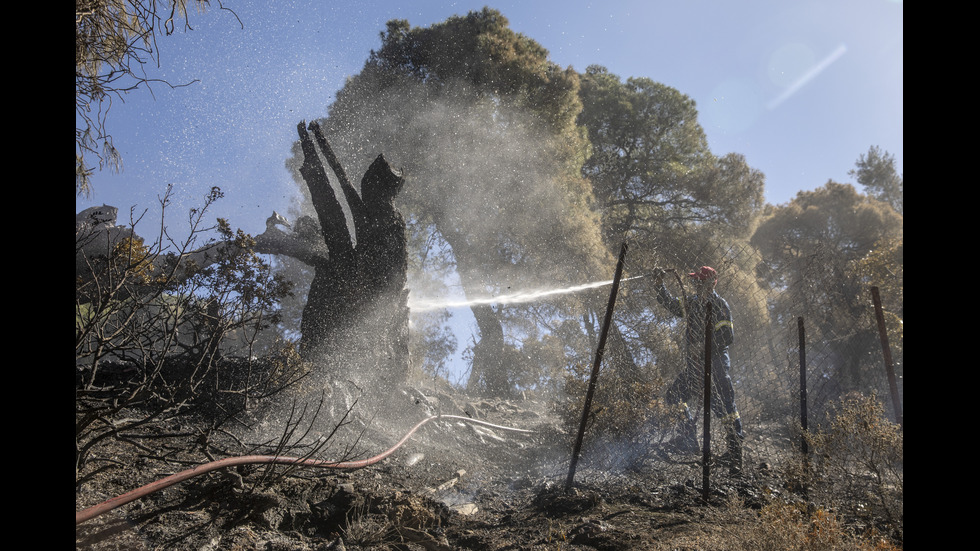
column 143, row 491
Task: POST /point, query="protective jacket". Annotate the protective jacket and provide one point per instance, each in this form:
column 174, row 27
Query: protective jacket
column 723, row 331
column 687, row 383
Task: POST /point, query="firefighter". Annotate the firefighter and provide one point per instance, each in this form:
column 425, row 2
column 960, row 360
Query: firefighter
column 688, row 383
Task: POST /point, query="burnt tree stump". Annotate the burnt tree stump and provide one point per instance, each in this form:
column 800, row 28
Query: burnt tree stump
column 356, row 314
column 355, row 321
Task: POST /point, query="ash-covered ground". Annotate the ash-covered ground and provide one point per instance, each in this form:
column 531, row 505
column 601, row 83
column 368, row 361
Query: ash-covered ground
column 453, row 485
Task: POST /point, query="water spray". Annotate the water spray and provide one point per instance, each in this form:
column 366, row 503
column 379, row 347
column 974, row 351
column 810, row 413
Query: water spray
column 428, row 304
column 108, row 505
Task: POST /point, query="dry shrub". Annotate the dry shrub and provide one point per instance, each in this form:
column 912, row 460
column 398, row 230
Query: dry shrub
column 859, row 466
column 396, row 521
column 787, row 526
column 781, row 526
column 159, row 334
column 627, row 418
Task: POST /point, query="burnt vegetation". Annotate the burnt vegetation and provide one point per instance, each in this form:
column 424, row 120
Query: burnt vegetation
column 501, row 170
column 181, row 360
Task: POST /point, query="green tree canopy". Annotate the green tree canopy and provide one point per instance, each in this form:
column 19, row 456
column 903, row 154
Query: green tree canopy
column 651, row 168
column 877, row 173
column 833, row 222
column 812, row 252
column 657, row 184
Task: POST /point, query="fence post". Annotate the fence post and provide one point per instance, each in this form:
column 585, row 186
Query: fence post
column 706, row 451
column 595, row 368
column 887, row 352
column 803, row 398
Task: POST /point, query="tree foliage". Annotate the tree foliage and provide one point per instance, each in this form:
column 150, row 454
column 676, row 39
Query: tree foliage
column 827, row 227
column 651, row 168
column 876, row 172
column 657, row 184
column 114, row 42
column 484, row 127
column 812, row 251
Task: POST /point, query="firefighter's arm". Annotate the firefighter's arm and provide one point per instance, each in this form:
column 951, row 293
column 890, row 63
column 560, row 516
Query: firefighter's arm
column 673, row 304
column 724, row 330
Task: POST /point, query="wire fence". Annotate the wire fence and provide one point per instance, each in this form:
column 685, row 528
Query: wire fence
column 811, row 316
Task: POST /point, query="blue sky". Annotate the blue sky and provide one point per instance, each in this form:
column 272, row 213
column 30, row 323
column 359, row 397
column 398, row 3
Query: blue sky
column 801, row 88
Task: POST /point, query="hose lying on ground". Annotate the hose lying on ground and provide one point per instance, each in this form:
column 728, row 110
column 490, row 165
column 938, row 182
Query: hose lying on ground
column 112, row 503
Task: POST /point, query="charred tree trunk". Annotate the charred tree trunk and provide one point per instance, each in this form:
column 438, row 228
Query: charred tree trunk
column 356, row 314
column 492, row 358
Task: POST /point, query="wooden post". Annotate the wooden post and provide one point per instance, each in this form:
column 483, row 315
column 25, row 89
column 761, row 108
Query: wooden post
column 887, row 352
column 706, row 451
column 803, row 397
column 595, row 368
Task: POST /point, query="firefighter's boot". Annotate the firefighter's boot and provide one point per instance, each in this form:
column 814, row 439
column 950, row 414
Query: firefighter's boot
column 737, row 426
column 686, row 440
column 732, row 458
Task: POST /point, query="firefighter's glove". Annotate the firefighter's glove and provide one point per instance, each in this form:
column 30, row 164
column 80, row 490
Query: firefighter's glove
column 658, row 276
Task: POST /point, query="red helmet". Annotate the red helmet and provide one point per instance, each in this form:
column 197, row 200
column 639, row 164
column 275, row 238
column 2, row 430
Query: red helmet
column 706, row 272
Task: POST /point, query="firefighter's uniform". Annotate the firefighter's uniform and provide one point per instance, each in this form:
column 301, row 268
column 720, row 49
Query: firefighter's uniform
column 689, row 382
